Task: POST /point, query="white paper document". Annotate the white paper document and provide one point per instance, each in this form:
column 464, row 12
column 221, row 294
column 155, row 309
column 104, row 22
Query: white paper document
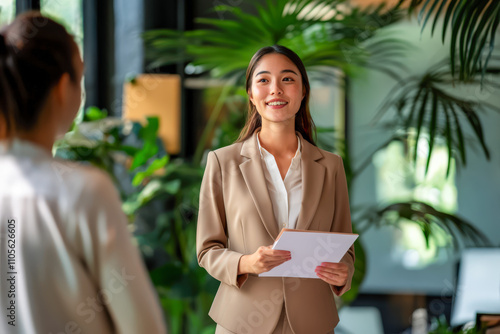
column 309, row 249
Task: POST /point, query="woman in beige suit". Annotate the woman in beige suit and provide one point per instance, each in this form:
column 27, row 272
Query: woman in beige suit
column 273, row 177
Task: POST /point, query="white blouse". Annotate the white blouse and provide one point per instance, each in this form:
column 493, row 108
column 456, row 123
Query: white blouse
column 67, row 263
column 286, row 195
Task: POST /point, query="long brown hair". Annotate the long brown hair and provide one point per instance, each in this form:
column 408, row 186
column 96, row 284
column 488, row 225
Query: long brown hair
column 303, row 120
column 35, row 52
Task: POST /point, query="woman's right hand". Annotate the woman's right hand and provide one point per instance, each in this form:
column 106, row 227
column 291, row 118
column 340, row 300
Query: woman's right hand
column 263, row 260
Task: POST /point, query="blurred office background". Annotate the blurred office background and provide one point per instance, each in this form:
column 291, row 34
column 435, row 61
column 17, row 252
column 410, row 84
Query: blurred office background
column 420, row 142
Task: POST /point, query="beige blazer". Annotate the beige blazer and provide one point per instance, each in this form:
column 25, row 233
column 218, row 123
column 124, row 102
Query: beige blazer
column 236, row 218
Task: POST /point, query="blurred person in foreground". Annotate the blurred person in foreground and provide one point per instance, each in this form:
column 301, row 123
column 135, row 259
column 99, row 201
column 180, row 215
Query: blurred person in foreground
column 67, row 262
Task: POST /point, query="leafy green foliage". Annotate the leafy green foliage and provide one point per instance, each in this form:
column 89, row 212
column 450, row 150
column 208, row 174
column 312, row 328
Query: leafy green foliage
column 160, row 196
column 424, row 103
column 472, row 25
column 323, row 33
column 153, row 167
column 102, row 141
column 168, row 205
column 427, row 218
column 441, row 326
column 149, row 147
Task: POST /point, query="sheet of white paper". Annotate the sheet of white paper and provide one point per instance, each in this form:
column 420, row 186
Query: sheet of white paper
column 308, row 250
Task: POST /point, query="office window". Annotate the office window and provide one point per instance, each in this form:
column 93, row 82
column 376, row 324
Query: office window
column 70, row 14
column 67, row 12
column 7, row 11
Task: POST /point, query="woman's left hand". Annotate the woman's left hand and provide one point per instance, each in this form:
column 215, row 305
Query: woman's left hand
column 333, row 273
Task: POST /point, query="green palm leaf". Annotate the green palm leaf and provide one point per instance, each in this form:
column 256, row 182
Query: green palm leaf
column 424, row 104
column 473, row 25
column 427, row 218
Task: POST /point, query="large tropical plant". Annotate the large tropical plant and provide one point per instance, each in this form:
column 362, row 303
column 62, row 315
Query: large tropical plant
column 427, row 105
column 324, row 33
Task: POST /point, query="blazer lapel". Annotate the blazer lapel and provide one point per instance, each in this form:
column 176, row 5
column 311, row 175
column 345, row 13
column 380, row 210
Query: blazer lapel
column 313, row 175
column 256, row 183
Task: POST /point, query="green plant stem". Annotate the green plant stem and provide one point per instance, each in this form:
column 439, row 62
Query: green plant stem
column 181, row 239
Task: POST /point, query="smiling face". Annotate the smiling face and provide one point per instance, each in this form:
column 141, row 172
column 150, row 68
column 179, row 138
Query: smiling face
column 276, row 90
